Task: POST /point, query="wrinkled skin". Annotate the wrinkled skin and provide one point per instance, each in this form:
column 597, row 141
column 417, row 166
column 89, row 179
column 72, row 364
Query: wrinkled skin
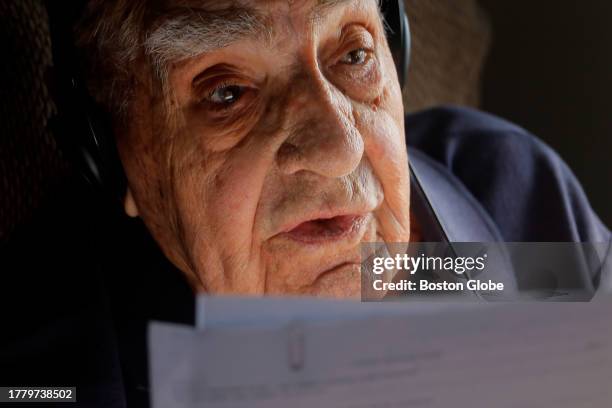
column 313, row 130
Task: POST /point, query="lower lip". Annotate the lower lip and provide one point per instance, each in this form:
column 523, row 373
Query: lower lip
column 343, row 228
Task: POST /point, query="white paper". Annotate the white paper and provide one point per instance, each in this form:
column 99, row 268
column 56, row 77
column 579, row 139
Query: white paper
column 513, row 355
column 223, row 311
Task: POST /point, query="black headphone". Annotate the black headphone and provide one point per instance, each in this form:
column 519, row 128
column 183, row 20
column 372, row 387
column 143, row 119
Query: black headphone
column 398, row 35
column 93, row 149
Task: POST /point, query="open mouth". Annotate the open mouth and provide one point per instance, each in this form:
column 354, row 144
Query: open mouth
column 328, row 229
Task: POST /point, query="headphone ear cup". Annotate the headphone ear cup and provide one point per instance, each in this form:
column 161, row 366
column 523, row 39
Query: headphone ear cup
column 398, row 35
column 407, row 44
column 105, row 166
column 80, row 126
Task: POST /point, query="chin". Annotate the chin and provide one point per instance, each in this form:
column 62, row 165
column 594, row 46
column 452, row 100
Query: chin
column 343, row 282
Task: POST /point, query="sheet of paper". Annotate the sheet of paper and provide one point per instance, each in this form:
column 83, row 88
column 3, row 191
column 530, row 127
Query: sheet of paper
column 515, row 355
column 222, row 311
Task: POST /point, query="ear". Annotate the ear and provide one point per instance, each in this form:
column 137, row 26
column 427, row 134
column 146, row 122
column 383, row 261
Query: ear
column 129, row 204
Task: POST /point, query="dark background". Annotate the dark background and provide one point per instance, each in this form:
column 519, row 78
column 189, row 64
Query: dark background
column 549, row 69
column 545, row 65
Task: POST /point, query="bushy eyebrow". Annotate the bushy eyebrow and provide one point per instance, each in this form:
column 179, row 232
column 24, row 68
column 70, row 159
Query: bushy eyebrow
column 322, row 5
column 187, row 32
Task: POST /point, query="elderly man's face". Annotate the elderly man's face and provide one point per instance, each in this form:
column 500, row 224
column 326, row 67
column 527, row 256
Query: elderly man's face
column 278, row 150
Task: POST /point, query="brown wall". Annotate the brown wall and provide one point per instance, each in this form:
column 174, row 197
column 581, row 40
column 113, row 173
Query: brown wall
column 449, row 44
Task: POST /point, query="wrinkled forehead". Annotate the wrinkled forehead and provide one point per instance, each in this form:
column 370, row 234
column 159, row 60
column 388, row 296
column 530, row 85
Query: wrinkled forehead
column 254, row 4
column 186, row 28
column 260, row 8
column 229, row 11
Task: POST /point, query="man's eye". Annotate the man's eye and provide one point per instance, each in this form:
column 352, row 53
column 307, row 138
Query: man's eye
column 226, row 95
column 355, row 57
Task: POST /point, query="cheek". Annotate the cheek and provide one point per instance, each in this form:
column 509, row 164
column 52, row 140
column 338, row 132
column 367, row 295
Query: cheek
column 216, row 205
column 382, row 124
column 385, row 145
column 219, row 199
column 224, row 199
column 385, row 148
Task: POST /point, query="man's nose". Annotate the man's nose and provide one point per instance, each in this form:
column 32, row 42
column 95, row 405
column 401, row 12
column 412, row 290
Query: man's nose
column 322, row 136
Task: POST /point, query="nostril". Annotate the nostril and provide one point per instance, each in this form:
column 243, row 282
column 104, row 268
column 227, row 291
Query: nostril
column 328, row 147
column 288, row 158
column 287, row 149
